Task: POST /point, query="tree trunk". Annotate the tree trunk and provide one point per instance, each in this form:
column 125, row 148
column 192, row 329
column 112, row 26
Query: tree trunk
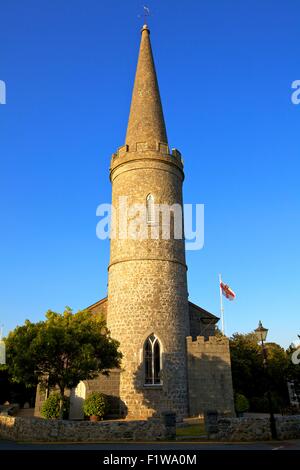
column 61, row 403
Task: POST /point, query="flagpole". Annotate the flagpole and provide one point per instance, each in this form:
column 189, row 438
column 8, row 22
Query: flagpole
column 221, row 305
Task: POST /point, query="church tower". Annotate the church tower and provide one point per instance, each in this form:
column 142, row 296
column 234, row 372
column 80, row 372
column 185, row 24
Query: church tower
column 172, row 359
column 148, row 309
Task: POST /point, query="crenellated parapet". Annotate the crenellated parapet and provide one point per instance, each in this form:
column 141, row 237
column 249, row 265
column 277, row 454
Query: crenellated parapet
column 212, row 340
column 144, row 151
column 217, row 346
column 209, row 375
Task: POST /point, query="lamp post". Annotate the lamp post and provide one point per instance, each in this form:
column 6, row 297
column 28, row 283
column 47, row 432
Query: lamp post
column 261, row 334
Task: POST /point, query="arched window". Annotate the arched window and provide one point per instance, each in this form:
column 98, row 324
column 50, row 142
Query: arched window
column 150, row 209
column 152, row 361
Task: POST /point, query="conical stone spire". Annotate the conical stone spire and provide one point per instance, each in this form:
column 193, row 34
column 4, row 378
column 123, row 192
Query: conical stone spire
column 146, row 120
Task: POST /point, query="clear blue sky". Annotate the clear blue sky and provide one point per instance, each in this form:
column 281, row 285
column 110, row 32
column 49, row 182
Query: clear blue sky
column 225, row 69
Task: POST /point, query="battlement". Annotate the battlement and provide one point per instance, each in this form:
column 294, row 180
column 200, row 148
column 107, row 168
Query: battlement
column 213, row 346
column 212, row 340
column 160, row 147
column 209, row 375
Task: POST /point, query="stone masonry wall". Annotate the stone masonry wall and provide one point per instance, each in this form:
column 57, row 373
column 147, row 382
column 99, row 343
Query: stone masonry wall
column 43, row 430
column 108, row 385
column 99, row 308
column 252, row 429
column 155, row 308
column 147, row 286
column 209, row 376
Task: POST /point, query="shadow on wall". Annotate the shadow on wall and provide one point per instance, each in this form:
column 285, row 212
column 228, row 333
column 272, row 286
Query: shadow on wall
column 210, row 384
column 168, row 396
column 116, row 408
column 109, row 386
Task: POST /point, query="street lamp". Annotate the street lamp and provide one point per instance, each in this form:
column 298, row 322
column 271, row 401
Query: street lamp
column 261, row 334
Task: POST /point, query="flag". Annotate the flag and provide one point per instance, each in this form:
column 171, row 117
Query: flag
column 227, row 292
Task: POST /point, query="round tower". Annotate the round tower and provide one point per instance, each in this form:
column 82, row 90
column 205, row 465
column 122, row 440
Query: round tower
column 147, row 286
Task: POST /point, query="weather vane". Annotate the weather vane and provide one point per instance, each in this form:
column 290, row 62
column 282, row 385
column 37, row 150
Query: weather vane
column 146, row 14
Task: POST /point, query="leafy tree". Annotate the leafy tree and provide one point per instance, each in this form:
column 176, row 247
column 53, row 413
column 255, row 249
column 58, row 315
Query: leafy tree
column 61, row 351
column 294, row 368
column 248, row 373
column 218, row 332
column 15, row 392
column 247, row 365
column 278, row 365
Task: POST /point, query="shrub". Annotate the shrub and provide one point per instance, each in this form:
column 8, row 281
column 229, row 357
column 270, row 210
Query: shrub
column 241, row 403
column 259, row 404
column 51, row 406
column 95, row 405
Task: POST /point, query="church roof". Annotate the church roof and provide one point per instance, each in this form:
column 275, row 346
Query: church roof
column 96, row 304
column 146, row 121
column 206, row 317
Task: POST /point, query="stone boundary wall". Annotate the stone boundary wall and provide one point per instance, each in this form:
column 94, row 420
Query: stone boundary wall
column 256, row 429
column 38, row 429
column 209, row 375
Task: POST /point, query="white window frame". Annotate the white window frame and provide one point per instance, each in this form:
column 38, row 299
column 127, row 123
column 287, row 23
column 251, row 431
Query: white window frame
column 153, row 342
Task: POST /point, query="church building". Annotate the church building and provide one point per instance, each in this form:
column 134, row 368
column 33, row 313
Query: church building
column 172, row 360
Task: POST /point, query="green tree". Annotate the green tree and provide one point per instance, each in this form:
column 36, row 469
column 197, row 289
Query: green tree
column 247, row 365
column 61, row 351
column 293, row 353
column 249, row 376
column 294, row 365
column 278, row 365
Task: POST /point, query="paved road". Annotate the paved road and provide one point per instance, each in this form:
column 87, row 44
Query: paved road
column 280, row 445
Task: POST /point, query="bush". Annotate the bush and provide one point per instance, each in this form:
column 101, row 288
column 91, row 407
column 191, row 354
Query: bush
column 95, row 405
column 241, row 403
column 278, row 402
column 259, row 404
column 51, row 407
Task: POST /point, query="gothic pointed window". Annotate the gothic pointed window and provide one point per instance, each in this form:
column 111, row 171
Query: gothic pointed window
column 152, row 361
column 150, row 209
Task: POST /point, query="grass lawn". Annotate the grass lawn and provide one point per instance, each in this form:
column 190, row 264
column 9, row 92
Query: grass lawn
column 191, row 430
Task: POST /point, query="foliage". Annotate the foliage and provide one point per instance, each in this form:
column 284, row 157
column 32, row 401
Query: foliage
column 218, row 332
column 293, row 369
column 15, row 392
column 247, row 365
column 241, row 403
column 249, row 376
column 259, row 404
column 61, row 351
column 51, row 407
column 278, row 365
column 95, row 405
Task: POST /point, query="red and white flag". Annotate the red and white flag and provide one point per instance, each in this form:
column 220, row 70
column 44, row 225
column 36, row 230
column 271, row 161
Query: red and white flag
column 226, row 291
